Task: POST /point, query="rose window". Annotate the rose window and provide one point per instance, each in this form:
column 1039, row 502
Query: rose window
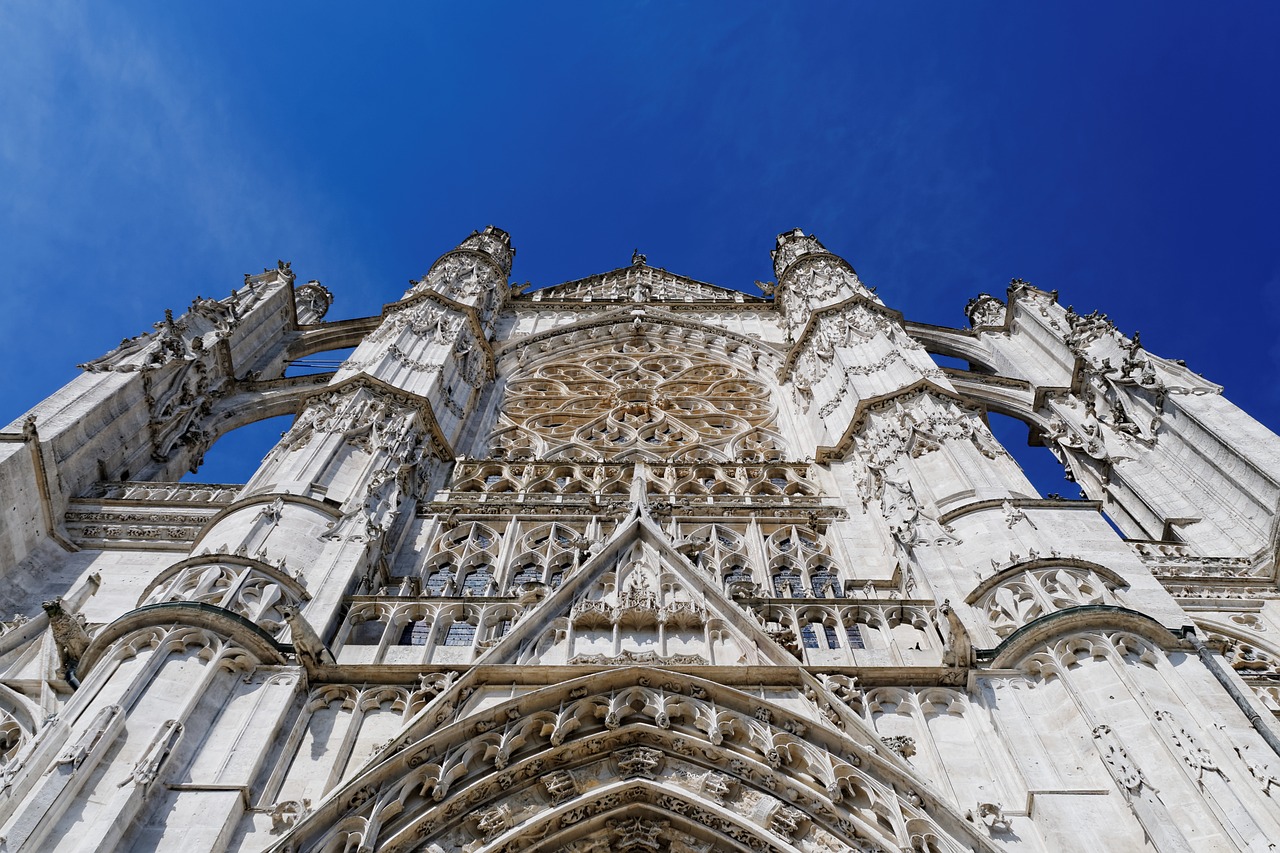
column 626, row 400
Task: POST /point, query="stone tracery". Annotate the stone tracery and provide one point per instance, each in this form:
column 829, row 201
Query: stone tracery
column 631, row 399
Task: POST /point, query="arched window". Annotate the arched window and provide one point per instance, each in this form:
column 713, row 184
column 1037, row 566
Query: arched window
column 438, row 580
column 788, row 584
column 529, row 573
column 460, row 633
column 415, row 633
column 366, row 633
column 478, row 581
column 821, row 580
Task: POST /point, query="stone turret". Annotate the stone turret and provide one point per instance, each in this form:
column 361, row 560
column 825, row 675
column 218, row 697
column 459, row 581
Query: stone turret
column 811, row 278
column 473, row 274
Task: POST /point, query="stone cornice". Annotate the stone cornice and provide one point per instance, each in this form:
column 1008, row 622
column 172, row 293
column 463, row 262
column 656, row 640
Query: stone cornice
column 523, row 304
column 747, row 298
column 1038, row 503
column 265, row 498
column 785, row 279
column 475, row 253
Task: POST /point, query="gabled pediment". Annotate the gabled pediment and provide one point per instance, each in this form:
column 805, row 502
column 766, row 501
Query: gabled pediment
column 638, row 600
column 639, row 283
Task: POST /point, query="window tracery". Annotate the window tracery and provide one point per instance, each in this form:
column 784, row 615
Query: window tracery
column 462, row 561
column 800, row 565
column 546, row 553
column 630, row 399
column 1028, row 595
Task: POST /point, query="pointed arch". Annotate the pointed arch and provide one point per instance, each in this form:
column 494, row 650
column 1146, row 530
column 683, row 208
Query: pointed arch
column 626, row 743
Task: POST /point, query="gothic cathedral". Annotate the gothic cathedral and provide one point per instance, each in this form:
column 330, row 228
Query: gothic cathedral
column 638, row 564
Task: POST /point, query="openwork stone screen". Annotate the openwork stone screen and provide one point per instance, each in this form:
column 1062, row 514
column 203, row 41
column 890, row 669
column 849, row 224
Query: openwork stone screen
column 630, row 400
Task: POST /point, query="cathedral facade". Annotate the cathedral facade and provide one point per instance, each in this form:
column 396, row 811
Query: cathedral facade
column 637, row 563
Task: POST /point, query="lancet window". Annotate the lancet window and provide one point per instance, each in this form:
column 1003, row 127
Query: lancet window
column 461, row 562
column 546, row 554
column 800, row 565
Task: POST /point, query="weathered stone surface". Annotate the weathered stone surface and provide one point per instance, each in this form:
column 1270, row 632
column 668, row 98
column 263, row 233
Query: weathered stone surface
column 637, row 563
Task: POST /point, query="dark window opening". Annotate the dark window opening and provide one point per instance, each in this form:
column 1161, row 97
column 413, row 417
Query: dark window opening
column 460, row 634
column 477, row 583
column 438, row 580
column 366, row 633
column 415, row 633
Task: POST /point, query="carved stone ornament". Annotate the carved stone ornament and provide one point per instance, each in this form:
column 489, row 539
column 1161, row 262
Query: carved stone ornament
column 639, row 762
column 904, row 745
column 985, row 310
column 1122, row 768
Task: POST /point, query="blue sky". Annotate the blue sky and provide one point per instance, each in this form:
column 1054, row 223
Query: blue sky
column 1123, row 154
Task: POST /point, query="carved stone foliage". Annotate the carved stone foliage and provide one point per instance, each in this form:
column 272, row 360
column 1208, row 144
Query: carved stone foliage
column 666, row 767
column 363, row 415
column 917, row 424
column 477, row 268
column 632, row 399
column 985, row 310
column 637, row 607
column 425, row 321
column 909, row 524
column 107, row 524
column 637, row 283
column 493, row 242
column 1197, row 758
column 188, row 336
column 1123, row 769
column 1028, row 595
column 312, row 300
column 1187, row 574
